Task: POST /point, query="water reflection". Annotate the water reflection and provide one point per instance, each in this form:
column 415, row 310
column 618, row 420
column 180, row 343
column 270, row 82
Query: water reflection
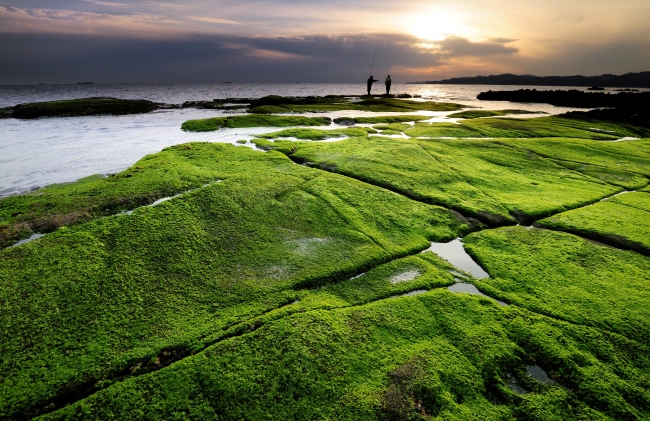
column 454, row 253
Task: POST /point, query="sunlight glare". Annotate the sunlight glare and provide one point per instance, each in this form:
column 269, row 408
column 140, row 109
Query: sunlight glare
column 436, row 26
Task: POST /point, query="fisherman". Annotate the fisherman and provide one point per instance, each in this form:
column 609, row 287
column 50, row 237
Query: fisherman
column 370, row 82
column 388, row 82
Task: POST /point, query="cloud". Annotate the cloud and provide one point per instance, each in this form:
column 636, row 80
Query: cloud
column 156, row 3
column 69, row 58
column 105, row 3
column 14, row 19
column 457, row 46
column 210, row 58
column 212, row 20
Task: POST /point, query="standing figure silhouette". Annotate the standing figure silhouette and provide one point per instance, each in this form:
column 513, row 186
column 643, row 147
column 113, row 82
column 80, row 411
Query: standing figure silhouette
column 370, row 82
column 388, row 82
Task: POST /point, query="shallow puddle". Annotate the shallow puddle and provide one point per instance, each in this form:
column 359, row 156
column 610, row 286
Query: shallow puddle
column 515, row 386
column 538, row 373
column 454, row 253
column 471, row 289
column 406, row 276
column 27, row 240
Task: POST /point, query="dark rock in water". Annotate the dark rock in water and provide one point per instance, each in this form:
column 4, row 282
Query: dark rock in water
column 622, row 107
column 595, row 88
column 569, row 98
column 6, row 112
column 403, row 96
column 346, row 121
column 83, row 107
column 638, row 115
column 210, row 105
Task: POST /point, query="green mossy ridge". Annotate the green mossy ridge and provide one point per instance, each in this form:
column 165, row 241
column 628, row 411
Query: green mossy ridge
column 490, row 113
column 316, row 134
column 527, row 128
column 622, row 221
column 6, row 112
column 630, row 155
column 393, row 128
column 269, row 109
column 381, row 119
column 566, row 277
column 83, row 107
column 452, row 352
column 252, row 120
column 89, row 301
column 277, row 104
column 400, row 105
column 401, row 166
column 625, row 179
column 172, row 171
column 528, row 186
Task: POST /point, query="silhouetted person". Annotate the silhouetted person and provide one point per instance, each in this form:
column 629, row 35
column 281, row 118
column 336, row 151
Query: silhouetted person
column 388, row 82
column 370, row 82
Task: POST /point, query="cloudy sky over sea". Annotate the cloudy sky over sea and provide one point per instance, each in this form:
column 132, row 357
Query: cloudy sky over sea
column 199, row 41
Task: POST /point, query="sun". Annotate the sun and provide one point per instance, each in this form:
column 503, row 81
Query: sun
column 435, row 25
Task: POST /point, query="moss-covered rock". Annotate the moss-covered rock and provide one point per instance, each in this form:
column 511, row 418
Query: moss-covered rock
column 83, row 107
column 253, row 120
column 526, row 128
column 90, row 302
column 490, row 113
column 622, row 221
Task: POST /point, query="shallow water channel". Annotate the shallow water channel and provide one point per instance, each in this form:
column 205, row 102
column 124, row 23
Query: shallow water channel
column 455, row 253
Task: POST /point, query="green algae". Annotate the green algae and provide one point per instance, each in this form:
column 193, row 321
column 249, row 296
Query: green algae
column 6, row 112
column 83, row 107
column 528, row 186
column 316, row 134
column 621, row 221
column 253, row 120
column 525, row 128
column 269, row 109
column 566, row 277
column 401, row 105
column 277, row 104
column 625, row 179
column 451, row 353
column 630, row 155
column 253, row 283
column 89, row 301
column 174, row 170
column 381, row 119
column 404, row 167
column 490, row 113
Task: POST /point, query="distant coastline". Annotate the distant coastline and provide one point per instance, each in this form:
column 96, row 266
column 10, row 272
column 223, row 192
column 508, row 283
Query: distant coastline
column 628, row 80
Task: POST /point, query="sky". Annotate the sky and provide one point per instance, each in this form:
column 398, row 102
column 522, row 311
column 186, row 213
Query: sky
column 310, row 41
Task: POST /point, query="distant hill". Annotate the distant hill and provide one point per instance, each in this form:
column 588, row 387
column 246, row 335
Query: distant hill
column 628, row 80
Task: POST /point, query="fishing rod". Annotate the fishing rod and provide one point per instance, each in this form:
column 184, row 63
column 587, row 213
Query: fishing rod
column 373, row 58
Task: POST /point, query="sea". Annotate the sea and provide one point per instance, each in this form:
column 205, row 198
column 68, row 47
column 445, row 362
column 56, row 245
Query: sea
column 36, row 153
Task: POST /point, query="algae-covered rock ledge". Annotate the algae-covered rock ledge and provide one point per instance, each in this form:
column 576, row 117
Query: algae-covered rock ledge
column 214, row 281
